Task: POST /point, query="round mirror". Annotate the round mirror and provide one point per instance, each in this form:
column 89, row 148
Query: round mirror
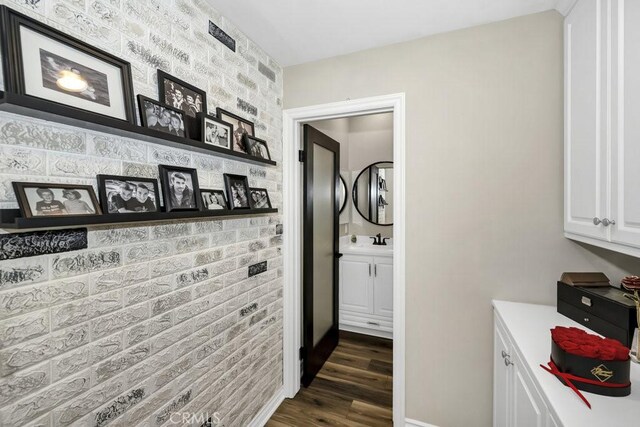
column 373, row 193
column 342, row 195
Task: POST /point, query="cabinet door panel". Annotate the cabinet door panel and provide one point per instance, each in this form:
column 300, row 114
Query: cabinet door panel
column 626, row 197
column 383, row 288
column 528, row 409
column 356, row 275
column 586, row 178
column 501, row 383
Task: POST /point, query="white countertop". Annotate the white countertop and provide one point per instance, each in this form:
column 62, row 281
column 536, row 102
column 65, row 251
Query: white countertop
column 364, row 246
column 529, row 325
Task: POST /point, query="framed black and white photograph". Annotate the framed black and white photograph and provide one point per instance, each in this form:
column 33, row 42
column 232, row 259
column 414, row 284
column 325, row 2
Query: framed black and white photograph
column 241, row 126
column 213, row 200
column 259, row 198
column 215, row 132
column 181, row 95
column 54, row 67
column 161, row 117
column 257, row 147
column 180, row 188
column 46, row 199
column 126, row 194
column 238, row 190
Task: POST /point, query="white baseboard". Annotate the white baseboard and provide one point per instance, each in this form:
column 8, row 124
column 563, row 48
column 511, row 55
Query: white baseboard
column 414, row 423
column 366, row 331
column 268, row 409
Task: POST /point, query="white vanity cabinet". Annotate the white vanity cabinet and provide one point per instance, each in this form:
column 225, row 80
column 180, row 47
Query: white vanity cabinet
column 366, row 294
column 602, row 130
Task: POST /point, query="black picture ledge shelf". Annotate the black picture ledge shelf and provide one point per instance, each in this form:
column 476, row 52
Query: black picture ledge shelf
column 46, row 110
column 11, row 219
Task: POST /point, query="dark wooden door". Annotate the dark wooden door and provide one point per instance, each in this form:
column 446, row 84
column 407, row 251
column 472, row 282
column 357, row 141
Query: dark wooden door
column 320, row 251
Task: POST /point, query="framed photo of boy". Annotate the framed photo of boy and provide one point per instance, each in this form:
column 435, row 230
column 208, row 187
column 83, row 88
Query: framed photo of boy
column 257, row 147
column 259, row 198
column 180, row 188
column 241, row 126
column 237, row 187
column 127, row 194
column 215, row 132
column 162, row 118
column 46, row 199
column 213, row 200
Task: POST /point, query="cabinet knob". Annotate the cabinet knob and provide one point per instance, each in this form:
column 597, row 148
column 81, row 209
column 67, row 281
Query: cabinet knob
column 504, row 354
column 596, row 221
column 507, row 361
column 607, row 222
column 586, row 319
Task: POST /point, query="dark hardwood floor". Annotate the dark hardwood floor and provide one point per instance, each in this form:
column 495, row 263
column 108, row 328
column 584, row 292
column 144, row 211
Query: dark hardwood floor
column 353, row 388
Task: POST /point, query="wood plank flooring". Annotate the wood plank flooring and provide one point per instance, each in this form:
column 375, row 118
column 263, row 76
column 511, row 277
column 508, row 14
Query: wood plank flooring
column 353, row 388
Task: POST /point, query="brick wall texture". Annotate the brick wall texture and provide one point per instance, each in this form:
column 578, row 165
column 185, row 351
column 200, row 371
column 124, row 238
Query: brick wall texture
column 152, row 321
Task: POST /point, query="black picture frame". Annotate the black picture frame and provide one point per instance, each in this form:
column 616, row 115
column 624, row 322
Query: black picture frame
column 206, row 192
column 164, row 77
column 27, row 208
column 257, row 147
column 260, row 203
column 104, row 196
column 144, row 120
column 166, row 180
column 238, row 135
column 203, row 119
column 13, row 68
column 232, row 184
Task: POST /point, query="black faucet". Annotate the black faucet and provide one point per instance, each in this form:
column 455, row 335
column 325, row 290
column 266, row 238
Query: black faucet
column 379, row 240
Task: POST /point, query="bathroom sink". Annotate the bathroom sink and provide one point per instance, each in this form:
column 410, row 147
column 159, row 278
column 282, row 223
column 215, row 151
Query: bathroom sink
column 364, row 246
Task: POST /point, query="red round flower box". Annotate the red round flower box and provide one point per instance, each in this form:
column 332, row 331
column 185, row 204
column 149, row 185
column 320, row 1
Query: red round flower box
column 591, row 357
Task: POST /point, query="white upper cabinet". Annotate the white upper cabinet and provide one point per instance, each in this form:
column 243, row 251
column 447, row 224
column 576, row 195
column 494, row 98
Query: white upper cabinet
column 602, row 124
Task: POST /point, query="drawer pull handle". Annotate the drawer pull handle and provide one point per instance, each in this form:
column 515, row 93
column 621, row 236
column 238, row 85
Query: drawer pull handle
column 586, row 301
column 373, row 323
column 504, row 354
column 586, row 319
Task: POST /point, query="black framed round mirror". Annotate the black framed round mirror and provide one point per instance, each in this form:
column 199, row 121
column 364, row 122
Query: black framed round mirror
column 373, row 193
column 342, row 195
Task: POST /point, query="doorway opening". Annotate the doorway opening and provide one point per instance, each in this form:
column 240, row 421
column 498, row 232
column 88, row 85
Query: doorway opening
column 386, row 178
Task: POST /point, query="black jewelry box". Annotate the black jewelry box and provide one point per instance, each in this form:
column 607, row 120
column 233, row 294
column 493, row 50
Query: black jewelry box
column 604, row 310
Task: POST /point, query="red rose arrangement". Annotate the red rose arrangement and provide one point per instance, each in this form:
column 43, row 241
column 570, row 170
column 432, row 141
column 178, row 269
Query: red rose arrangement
column 579, row 342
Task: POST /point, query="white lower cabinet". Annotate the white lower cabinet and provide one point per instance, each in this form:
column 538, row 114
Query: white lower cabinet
column 516, row 401
column 366, row 294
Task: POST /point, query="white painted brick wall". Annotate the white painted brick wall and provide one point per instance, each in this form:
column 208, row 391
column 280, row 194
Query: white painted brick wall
column 154, row 319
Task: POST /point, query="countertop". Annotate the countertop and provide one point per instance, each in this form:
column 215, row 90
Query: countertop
column 529, row 326
column 364, row 246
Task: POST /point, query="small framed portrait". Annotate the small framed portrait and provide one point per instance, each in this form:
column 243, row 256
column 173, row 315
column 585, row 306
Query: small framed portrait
column 238, row 190
column 126, row 194
column 259, row 198
column 162, row 118
column 181, row 95
column 215, row 132
column 213, row 200
column 257, row 147
column 180, row 188
column 45, row 199
column 240, row 127
column 52, row 66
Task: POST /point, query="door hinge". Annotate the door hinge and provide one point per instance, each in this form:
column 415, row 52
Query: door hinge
column 302, row 156
column 301, row 353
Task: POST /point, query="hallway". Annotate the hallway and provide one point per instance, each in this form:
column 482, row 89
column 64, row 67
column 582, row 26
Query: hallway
column 353, row 388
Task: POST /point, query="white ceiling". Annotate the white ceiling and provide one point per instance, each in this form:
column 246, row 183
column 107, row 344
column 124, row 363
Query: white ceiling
column 298, row 31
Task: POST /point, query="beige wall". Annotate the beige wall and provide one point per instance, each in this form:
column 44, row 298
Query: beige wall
column 484, row 192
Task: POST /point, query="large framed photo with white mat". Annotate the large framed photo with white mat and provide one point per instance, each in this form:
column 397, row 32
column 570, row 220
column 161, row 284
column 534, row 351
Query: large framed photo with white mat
column 52, row 67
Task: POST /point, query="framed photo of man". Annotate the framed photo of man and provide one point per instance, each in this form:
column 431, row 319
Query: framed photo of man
column 240, row 127
column 180, row 188
column 162, row 118
column 127, row 194
column 237, row 187
column 46, row 199
column 257, row 147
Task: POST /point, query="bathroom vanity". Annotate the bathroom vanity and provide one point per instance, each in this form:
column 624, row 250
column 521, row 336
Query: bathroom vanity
column 366, row 287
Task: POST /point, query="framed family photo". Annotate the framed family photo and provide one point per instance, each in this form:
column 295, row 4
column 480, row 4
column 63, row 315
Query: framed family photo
column 181, row 95
column 48, row 64
column 240, row 128
column 259, row 198
column 46, row 199
column 180, row 188
column 213, row 200
column 257, row 147
column 237, row 187
column 126, row 194
column 216, row 132
column 162, row 118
